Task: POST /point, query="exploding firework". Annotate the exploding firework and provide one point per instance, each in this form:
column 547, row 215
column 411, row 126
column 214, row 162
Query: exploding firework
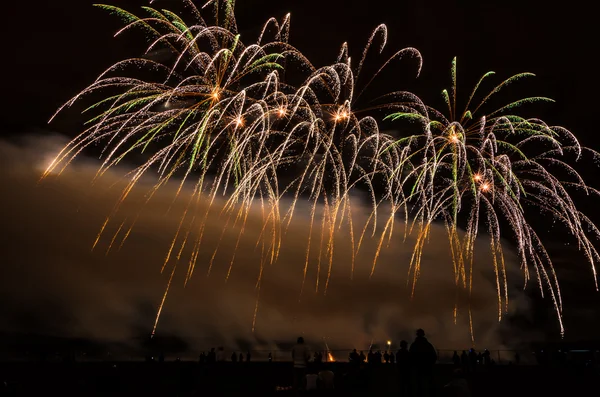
column 216, row 107
column 345, row 155
column 219, row 115
column 219, row 112
column 483, row 171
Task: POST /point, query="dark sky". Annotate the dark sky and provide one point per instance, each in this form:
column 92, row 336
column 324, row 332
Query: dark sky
column 54, row 49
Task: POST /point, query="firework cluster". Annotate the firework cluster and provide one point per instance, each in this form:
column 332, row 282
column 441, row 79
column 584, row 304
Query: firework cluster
column 229, row 119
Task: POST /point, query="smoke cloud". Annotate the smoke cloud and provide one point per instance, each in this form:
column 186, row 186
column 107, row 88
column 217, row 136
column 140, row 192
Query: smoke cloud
column 53, row 283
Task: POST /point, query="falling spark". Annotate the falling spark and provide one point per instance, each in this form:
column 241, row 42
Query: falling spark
column 207, row 117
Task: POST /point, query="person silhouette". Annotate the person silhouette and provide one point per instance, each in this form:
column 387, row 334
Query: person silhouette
column 377, row 357
column 403, row 363
column 371, row 357
column 464, row 361
column 300, row 356
column 354, row 357
column 318, row 357
column 486, row 356
column 423, row 357
column 456, row 359
column 472, row 359
column 212, row 356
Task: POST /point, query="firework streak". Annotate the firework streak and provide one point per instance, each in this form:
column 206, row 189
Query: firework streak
column 219, row 115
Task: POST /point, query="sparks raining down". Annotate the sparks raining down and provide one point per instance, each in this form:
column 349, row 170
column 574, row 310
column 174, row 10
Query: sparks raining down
column 486, row 171
column 220, row 116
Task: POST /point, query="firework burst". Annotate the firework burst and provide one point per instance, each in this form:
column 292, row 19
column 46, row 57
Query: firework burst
column 483, row 171
column 219, row 116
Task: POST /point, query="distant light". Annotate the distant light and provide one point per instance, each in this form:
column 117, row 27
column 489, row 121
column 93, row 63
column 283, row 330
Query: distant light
column 239, row 122
column 281, row 111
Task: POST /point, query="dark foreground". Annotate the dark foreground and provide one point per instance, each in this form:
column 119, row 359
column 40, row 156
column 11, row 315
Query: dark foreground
column 253, row 379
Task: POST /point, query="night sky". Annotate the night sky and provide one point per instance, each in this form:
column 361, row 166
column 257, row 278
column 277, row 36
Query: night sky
column 52, row 284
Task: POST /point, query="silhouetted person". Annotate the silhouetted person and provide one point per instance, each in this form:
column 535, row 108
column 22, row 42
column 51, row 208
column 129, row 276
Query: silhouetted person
column 386, row 357
column 403, row 363
column 354, row 357
column 402, row 356
column 318, row 358
column 270, row 357
column 423, row 357
column 456, row 359
column 392, row 358
column 377, row 357
column 486, row 356
column 212, row 356
column 371, row 357
column 241, row 358
column 248, row 356
column 202, row 358
column 464, row 361
column 300, row 356
column 472, row 359
column 161, row 358
column 362, row 357
column 233, row 357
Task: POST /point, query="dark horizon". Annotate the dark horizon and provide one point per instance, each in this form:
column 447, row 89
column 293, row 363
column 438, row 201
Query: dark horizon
column 65, row 46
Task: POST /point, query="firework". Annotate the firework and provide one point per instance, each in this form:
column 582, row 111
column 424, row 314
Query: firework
column 484, row 171
column 216, row 112
column 220, row 116
column 219, row 112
